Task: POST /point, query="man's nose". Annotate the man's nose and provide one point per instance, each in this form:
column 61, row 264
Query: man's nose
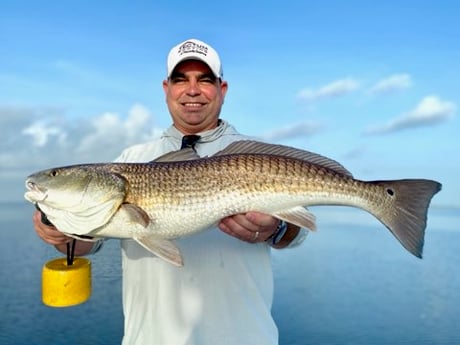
column 193, row 88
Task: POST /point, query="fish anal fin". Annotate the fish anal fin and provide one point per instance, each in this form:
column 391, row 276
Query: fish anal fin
column 135, row 214
column 162, row 248
column 299, row 216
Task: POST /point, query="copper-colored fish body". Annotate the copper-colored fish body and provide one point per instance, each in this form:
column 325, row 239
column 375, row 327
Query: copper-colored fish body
column 180, row 193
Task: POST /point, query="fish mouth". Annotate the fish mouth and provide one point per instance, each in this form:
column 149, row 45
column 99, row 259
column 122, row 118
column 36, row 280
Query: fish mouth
column 34, row 192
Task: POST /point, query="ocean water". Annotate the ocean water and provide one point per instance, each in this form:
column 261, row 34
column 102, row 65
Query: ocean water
column 349, row 283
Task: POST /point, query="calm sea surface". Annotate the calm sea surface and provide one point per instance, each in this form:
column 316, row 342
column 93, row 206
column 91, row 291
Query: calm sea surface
column 350, row 283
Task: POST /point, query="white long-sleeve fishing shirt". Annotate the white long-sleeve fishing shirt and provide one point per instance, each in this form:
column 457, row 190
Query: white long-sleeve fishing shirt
column 222, row 295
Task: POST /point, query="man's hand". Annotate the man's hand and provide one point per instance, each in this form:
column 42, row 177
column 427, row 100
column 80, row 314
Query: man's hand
column 250, row 227
column 51, row 235
column 48, row 233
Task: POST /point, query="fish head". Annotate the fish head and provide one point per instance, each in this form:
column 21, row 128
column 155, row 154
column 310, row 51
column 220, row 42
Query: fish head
column 77, row 199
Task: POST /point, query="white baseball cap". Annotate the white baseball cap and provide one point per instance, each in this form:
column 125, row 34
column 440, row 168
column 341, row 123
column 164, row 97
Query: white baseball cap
column 194, row 49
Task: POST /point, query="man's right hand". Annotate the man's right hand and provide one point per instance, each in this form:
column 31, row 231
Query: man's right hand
column 48, row 233
column 51, row 235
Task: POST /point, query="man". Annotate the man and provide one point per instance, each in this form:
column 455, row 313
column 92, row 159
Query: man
column 223, row 294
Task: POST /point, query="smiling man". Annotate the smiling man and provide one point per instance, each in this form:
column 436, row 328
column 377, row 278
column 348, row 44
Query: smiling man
column 195, row 91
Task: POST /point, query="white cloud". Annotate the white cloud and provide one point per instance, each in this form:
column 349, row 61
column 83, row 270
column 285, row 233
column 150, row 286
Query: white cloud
column 393, row 83
column 34, row 139
column 139, row 116
column 303, row 129
column 431, row 110
column 104, row 130
column 42, row 134
column 334, row 89
column 111, row 131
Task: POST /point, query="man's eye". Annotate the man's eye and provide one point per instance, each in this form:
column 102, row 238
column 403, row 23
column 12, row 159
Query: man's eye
column 178, row 80
column 207, row 80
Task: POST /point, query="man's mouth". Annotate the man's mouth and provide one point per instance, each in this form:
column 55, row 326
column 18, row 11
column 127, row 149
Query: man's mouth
column 192, row 105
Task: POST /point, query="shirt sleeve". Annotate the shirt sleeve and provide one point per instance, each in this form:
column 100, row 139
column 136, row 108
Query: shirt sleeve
column 96, row 246
column 298, row 239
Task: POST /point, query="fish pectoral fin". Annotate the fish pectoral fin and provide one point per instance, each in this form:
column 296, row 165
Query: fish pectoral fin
column 162, row 248
column 136, row 214
column 299, row 216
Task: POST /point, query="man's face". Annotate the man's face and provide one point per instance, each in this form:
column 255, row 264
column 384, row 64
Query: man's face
column 194, row 97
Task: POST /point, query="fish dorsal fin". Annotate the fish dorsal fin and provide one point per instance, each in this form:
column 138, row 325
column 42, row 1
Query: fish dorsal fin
column 257, row 147
column 187, row 154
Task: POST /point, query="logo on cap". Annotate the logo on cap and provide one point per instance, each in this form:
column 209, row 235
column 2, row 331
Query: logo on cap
column 192, row 47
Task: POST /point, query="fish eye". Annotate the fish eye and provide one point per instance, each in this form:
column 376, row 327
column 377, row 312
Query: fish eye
column 54, row 173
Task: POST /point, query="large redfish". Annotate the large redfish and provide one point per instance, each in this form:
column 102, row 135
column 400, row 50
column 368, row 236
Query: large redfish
column 180, row 194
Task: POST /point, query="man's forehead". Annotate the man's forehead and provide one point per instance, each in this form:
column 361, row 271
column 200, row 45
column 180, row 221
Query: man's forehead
column 192, row 66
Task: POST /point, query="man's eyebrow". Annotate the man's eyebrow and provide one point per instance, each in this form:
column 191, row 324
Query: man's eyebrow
column 177, row 74
column 207, row 75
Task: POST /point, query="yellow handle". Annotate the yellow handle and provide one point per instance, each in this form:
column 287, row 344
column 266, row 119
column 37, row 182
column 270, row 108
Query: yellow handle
column 65, row 286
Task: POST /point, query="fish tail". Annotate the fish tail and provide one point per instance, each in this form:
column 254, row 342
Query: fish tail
column 407, row 215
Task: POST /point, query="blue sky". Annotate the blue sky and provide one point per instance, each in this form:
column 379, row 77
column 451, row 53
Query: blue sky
column 372, row 85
